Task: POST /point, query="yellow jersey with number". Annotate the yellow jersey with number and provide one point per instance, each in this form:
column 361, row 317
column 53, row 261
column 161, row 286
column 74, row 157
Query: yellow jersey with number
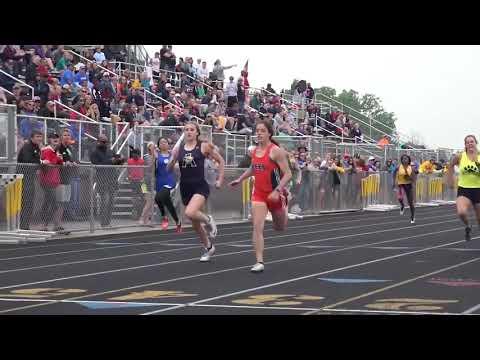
column 469, row 176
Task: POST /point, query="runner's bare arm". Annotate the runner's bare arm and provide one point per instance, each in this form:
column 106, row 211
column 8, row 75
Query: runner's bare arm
column 173, row 159
column 248, row 173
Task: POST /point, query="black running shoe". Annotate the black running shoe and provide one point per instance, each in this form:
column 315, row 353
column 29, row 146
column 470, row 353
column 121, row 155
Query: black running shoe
column 468, row 230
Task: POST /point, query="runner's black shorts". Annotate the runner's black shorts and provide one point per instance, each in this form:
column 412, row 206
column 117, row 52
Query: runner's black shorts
column 473, row 194
column 187, row 190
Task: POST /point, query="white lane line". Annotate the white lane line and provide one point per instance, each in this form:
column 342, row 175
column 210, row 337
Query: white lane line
column 304, row 277
column 197, row 246
column 190, row 259
column 472, row 310
column 401, row 283
column 388, row 312
column 248, row 225
column 88, row 302
column 253, row 307
column 237, row 268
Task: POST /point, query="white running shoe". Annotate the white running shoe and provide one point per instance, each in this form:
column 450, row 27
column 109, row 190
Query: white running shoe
column 212, row 232
column 269, row 217
column 402, row 211
column 208, row 254
column 412, row 221
column 258, row 267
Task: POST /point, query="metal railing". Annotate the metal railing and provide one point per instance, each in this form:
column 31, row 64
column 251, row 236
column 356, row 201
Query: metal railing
column 19, row 81
column 199, row 120
column 343, row 106
column 91, row 62
column 95, row 197
column 7, row 91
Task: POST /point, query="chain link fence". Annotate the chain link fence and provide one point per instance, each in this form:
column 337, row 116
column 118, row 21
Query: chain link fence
column 94, row 197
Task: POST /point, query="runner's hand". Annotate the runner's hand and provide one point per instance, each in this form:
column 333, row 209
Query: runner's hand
column 218, row 184
column 234, row 183
column 274, row 196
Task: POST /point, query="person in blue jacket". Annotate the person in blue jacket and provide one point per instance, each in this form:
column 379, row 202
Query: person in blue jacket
column 165, row 183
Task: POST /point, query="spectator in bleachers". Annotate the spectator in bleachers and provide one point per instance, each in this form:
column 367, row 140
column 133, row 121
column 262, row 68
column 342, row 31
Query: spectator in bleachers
column 231, row 92
column 49, row 111
column 171, row 119
column 122, row 88
column 99, row 56
column 42, row 89
column 155, row 64
column 67, row 96
column 309, row 93
column 202, row 72
column 55, row 89
column 136, row 98
column 93, row 112
column 218, row 74
column 68, row 76
column 107, row 91
column 28, row 125
column 356, row 133
column 241, row 95
column 269, row 90
column 81, row 75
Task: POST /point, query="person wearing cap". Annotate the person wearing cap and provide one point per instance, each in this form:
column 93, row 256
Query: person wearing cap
column 49, row 178
column 27, row 124
column 107, row 92
column 68, row 75
column 67, row 172
column 106, row 177
column 66, row 97
column 81, row 76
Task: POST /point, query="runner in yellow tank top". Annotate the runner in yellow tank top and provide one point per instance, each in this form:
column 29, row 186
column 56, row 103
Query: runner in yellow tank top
column 404, row 177
column 468, row 194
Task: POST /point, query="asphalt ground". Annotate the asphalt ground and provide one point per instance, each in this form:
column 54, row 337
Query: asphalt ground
column 349, row 263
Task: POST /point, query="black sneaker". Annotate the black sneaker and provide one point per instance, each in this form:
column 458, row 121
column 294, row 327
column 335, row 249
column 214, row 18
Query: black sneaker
column 468, row 230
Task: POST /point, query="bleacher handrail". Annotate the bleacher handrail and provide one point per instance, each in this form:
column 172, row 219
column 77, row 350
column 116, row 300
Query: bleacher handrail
column 72, row 110
column 19, row 81
column 368, row 117
column 168, row 102
column 92, row 62
column 7, row 91
column 370, row 140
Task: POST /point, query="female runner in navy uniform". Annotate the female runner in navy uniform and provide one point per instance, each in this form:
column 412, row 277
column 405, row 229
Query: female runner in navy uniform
column 194, row 188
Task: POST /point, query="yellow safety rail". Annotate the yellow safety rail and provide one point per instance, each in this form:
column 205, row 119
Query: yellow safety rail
column 11, row 185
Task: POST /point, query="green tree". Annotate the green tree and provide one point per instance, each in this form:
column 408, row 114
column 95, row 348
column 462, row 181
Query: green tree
column 328, row 91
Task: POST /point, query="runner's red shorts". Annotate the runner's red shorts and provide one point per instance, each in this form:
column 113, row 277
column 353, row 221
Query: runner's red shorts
column 272, row 206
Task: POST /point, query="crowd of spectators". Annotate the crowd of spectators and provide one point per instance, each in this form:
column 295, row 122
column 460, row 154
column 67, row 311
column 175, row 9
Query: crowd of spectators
column 169, row 92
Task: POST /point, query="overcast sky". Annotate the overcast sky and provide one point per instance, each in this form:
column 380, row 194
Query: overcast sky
column 433, row 90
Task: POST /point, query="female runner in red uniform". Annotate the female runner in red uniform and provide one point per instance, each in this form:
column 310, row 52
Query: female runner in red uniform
column 272, row 173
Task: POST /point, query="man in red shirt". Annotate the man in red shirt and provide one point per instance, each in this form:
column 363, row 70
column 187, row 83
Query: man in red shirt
column 49, row 178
